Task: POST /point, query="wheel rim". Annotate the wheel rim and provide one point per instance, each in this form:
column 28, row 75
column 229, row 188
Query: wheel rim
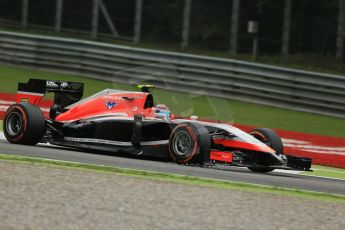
column 14, row 124
column 182, row 143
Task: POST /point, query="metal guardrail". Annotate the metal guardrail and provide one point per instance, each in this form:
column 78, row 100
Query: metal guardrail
column 264, row 84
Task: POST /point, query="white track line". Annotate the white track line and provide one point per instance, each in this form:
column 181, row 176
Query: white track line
column 294, row 172
column 331, row 178
column 309, row 147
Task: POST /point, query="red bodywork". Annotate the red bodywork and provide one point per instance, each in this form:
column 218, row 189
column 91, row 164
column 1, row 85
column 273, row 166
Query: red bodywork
column 28, row 97
column 243, row 145
column 221, row 156
column 123, row 104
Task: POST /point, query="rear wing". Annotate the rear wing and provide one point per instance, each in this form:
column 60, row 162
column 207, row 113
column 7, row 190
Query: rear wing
column 65, row 93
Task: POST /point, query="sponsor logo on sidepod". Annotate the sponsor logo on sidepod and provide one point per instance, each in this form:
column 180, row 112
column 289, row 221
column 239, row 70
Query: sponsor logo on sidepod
column 110, row 104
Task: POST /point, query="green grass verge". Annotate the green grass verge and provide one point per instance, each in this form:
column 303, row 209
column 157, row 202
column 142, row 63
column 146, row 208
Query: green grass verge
column 324, row 171
column 204, row 107
column 173, row 178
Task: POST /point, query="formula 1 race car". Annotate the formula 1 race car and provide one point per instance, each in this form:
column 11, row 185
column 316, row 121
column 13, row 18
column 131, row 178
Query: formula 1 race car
column 130, row 122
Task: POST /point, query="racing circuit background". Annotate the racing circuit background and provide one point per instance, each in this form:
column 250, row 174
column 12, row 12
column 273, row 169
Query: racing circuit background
column 283, row 59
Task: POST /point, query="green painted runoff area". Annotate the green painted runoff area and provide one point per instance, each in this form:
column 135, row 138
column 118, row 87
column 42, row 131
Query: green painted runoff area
column 324, row 171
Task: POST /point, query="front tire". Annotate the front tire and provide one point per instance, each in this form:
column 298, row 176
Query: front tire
column 24, row 124
column 271, row 139
column 189, row 143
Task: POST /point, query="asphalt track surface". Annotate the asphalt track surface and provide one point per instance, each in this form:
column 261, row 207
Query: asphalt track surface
column 230, row 173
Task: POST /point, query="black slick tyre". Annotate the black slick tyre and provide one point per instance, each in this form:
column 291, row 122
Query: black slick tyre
column 24, row 124
column 271, row 139
column 189, row 143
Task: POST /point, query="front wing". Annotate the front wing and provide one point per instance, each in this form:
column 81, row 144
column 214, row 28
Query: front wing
column 238, row 158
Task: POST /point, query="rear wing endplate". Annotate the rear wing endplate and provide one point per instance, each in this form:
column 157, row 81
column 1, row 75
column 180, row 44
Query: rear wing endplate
column 65, row 92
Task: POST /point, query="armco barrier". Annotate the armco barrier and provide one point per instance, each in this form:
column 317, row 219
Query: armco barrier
column 281, row 87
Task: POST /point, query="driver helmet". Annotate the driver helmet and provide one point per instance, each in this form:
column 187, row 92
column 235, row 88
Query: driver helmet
column 162, row 111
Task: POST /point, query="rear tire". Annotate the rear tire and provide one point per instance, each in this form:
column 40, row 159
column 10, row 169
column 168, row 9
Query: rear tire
column 189, row 143
column 271, row 139
column 24, row 124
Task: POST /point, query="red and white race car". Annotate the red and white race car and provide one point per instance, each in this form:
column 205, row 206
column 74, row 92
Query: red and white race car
column 130, row 122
